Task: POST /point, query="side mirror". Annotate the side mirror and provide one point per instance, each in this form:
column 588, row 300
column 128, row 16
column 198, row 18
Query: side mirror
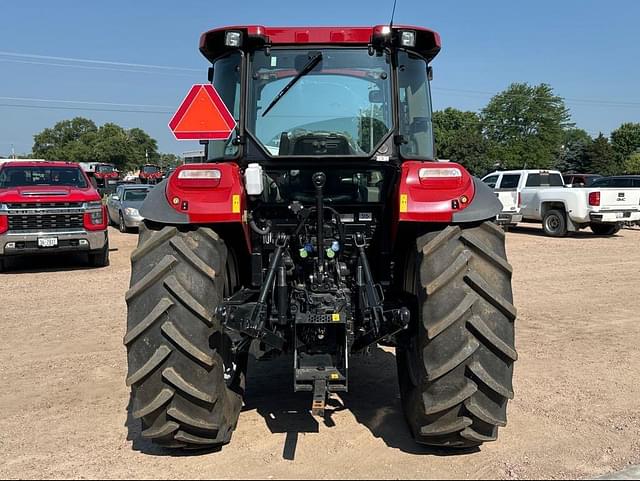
column 430, row 73
column 210, row 74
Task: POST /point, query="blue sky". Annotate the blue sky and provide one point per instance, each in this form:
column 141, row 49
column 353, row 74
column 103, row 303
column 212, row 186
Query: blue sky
column 587, row 50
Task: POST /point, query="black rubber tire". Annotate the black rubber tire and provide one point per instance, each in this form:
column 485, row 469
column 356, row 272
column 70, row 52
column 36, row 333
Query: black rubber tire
column 3, row 265
column 554, row 224
column 605, row 229
column 177, row 353
column 122, row 227
column 456, row 371
column 101, row 258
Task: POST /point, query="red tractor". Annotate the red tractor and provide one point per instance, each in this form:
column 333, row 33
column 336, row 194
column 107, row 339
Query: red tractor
column 323, row 227
column 150, row 174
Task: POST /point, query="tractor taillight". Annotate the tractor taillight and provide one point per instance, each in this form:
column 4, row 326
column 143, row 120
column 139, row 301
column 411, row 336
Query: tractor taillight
column 594, row 199
column 440, row 177
column 198, row 178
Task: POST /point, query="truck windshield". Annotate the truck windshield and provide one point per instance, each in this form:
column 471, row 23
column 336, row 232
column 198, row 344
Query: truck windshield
column 149, row 169
column 341, row 107
column 105, row 169
column 42, row 176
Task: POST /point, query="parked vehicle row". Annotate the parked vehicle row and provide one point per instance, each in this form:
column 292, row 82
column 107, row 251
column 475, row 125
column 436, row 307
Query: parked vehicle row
column 543, row 197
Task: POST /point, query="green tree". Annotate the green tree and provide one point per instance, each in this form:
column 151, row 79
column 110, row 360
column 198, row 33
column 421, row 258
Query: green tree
column 632, row 164
column 459, row 138
column 525, row 125
column 170, row 160
column 601, row 158
column 626, row 140
column 111, row 145
column 143, row 148
column 60, row 142
column 573, row 153
column 80, row 140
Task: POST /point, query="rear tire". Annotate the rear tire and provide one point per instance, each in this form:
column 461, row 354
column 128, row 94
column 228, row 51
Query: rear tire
column 554, row 223
column 605, row 229
column 456, row 371
column 187, row 387
column 3, row 265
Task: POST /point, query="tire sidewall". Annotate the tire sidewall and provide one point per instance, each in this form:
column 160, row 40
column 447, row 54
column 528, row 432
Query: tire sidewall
column 554, row 224
column 122, row 227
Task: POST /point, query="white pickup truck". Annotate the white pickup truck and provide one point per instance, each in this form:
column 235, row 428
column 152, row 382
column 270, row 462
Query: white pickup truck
column 541, row 196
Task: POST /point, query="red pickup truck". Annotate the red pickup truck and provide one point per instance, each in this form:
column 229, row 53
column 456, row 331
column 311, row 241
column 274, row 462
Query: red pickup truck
column 48, row 207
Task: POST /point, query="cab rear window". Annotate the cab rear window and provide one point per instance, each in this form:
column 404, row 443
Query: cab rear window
column 545, row 180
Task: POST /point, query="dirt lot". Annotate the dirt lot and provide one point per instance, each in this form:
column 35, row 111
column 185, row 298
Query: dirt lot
column 576, row 414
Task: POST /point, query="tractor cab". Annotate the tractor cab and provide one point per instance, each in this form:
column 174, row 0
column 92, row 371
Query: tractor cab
column 357, row 94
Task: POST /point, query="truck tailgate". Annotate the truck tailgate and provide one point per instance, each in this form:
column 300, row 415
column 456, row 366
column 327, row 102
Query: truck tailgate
column 509, row 199
column 619, row 198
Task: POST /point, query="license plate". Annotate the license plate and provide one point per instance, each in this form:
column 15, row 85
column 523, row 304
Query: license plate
column 620, row 215
column 48, row 242
column 113, row 182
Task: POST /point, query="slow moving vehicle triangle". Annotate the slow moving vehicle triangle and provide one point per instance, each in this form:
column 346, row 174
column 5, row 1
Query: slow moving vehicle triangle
column 202, row 115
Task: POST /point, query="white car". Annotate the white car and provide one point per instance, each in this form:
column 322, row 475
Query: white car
column 542, row 197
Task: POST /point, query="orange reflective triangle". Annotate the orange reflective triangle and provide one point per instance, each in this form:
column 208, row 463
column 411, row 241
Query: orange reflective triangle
column 202, row 115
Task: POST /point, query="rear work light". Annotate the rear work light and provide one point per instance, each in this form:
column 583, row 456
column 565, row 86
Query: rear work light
column 233, row 39
column 408, row 38
column 199, row 178
column 594, row 199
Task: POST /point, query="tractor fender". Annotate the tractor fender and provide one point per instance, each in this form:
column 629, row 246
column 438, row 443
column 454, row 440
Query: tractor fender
column 484, row 205
column 156, row 207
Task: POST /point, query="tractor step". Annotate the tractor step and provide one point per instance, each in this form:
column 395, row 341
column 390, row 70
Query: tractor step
column 319, row 398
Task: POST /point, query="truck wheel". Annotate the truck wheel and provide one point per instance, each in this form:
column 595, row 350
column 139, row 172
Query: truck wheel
column 187, row 386
column 554, row 223
column 605, row 229
column 3, row 265
column 456, row 369
column 100, row 258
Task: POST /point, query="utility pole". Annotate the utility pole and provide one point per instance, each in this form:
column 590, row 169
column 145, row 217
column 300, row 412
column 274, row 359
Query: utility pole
column 13, row 152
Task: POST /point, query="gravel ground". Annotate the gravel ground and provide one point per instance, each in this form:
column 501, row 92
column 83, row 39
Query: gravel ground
column 64, row 401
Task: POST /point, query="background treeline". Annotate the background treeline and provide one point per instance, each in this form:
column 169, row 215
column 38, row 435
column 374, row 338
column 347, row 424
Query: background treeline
column 529, row 127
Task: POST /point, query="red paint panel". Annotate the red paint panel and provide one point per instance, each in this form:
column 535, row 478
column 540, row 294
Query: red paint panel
column 210, row 205
column 431, row 199
column 317, row 35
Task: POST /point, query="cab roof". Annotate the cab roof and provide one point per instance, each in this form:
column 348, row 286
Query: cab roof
column 212, row 43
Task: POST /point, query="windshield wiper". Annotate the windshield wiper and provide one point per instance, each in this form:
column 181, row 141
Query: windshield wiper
column 305, row 70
